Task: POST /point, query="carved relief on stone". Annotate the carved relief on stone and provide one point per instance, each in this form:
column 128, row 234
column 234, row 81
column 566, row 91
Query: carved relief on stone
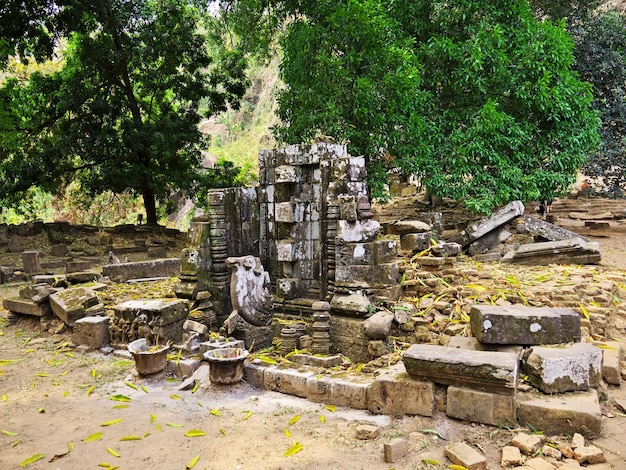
column 250, row 295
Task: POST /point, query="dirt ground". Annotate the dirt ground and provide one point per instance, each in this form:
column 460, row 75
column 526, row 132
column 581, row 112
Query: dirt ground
column 60, row 408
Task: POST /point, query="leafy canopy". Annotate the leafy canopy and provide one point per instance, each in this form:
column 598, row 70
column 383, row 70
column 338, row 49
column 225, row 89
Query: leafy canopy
column 123, row 111
column 478, row 98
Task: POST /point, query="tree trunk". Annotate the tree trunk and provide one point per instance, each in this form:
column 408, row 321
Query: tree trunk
column 149, row 202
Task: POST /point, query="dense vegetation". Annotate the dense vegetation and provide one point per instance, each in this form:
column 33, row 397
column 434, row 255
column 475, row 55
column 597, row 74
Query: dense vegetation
column 479, row 99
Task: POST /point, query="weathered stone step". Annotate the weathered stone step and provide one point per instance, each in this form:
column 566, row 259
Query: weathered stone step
column 26, row 307
column 122, row 272
column 492, row 371
column 575, row 251
column 515, row 324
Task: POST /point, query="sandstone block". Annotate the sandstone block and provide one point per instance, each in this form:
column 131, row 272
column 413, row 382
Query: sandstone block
column 359, row 231
column 563, row 369
column 524, row 325
column 253, row 373
column 378, row 326
column 589, row 455
column 403, row 227
column 415, row 242
column 30, row 260
column 462, row 454
column 365, row 432
column 537, row 463
column 394, row 393
column 511, row 457
column 338, row 391
column 183, row 368
column 123, row 272
column 91, row 331
column 477, row 369
column 395, row 449
column 562, row 414
column 611, row 362
column 26, row 307
column 287, row 380
column 469, row 342
column 325, row 362
column 481, row 407
column 76, row 266
column 71, row 304
column 528, row 444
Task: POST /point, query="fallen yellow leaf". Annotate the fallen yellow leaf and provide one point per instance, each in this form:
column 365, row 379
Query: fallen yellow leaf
column 294, row 420
column 294, row 449
column 130, row 438
column 111, row 422
column 193, row 462
column 195, row 433
column 113, row 452
column 94, row 437
column 32, row 459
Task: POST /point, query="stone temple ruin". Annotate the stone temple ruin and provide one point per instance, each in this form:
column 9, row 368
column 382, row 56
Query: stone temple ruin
column 303, row 249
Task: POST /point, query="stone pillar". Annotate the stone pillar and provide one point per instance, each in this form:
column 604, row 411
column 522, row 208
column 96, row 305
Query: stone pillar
column 30, row 260
column 321, row 328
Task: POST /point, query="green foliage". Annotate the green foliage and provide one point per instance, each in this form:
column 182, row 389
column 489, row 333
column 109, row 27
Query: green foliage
column 477, row 98
column 122, row 115
column 601, row 60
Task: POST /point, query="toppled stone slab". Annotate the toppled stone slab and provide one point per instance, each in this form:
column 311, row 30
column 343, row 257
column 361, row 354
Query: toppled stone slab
column 481, row 407
column 71, row 304
column 26, row 307
column 91, row 331
column 561, row 369
column 551, row 232
column 462, row 454
column 566, row 413
column 575, row 251
column 325, row 362
column 394, row 393
column 50, row 279
column 38, row 293
column 484, row 226
column 488, row 370
column 81, row 277
column 489, row 241
column 524, row 325
column 157, row 268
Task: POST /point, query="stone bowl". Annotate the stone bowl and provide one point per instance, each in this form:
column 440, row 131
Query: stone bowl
column 148, row 360
column 226, row 365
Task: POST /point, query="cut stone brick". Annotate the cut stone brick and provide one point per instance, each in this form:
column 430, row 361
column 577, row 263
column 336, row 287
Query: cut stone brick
column 183, row 368
column 563, row 369
column 26, row 307
column 611, row 362
column 561, row 414
column 325, row 362
column 481, row 407
column 253, row 373
column 71, row 304
column 91, row 331
column 462, row 454
column 493, row 371
column 338, row 391
column 395, row 449
column 394, row 393
column 287, row 380
column 524, row 325
column 415, row 241
column 366, row 432
column 589, row 455
column 511, row 457
column 122, row 272
column 469, row 342
column 528, row 444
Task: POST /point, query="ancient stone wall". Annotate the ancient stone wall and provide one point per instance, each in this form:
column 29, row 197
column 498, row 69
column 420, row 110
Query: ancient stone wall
column 310, row 222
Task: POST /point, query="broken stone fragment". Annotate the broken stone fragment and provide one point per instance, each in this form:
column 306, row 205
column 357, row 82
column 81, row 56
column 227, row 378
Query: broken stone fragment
column 511, row 457
column 589, row 455
column 411, row 226
column 574, row 251
column 395, row 449
column 462, row 454
column 71, row 304
column 366, row 432
column 378, row 326
column 528, row 444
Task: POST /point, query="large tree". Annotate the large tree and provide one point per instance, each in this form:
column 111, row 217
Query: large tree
column 123, row 112
column 476, row 97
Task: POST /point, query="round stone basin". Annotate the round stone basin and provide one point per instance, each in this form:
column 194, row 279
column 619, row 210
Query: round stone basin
column 226, row 365
column 148, row 360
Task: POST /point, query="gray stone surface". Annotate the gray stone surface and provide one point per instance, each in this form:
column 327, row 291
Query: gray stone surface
column 486, row 225
column 565, row 368
column 287, row 380
column 71, row 304
column 611, row 362
column 487, row 370
column 481, row 407
column 543, row 229
column 561, row 414
column 378, row 326
column 524, row 325
column 122, row 272
column 30, row 260
column 575, row 251
column 489, row 241
column 415, row 242
column 91, row 331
